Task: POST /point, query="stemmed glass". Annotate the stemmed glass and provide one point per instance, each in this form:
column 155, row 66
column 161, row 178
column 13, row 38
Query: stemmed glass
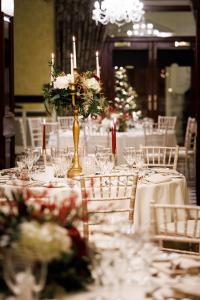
column 30, row 159
column 20, row 162
column 140, row 161
column 25, row 279
column 104, row 162
column 129, row 155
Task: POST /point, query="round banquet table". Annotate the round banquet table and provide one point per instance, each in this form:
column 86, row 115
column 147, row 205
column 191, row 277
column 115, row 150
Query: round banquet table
column 173, row 191
column 132, row 138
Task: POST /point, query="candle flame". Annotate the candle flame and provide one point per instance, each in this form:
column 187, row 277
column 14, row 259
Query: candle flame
column 52, row 55
column 97, row 53
column 73, row 38
column 44, row 121
column 71, row 55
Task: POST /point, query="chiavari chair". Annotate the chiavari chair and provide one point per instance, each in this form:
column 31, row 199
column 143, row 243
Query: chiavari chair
column 182, row 227
column 165, row 157
column 104, row 196
column 187, row 153
column 167, row 122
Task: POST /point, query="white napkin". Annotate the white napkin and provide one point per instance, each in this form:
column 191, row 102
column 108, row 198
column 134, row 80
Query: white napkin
column 158, row 178
column 186, row 263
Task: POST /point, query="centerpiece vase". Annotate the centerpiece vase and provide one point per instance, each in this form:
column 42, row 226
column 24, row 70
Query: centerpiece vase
column 76, row 169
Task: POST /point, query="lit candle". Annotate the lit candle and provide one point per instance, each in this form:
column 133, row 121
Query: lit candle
column 44, row 135
column 74, row 52
column 97, row 64
column 114, row 138
column 52, row 66
column 72, row 67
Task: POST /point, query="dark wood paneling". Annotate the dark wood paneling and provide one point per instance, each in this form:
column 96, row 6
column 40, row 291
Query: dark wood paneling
column 2, row 67
column 166, row 8
column 196, row 6
column 29, row 99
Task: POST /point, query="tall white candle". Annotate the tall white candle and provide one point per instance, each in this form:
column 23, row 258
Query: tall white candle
column 52, row 67
column 74, row 52
column 72, row 67
column 97, row 64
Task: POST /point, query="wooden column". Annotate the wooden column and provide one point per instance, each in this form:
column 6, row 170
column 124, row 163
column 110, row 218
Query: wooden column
column 6, row 93
column 196, row 11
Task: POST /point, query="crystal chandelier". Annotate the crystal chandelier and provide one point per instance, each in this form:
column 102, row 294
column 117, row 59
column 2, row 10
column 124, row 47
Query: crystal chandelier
column 117, row 11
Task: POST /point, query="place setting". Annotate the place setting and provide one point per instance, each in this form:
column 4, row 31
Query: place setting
column 99, row 155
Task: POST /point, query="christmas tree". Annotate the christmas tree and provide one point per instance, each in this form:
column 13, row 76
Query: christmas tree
column 124, row 103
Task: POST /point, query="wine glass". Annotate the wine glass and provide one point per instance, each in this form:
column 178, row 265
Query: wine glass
column 102, row 159
column 129, row 155
column 29, row 159
column 20, row 162
column 24, row 278
column 139, row 160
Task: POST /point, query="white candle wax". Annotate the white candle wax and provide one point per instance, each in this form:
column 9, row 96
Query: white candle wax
column 72, row 67
column 97, row 64
column 74, row 52
column 52, row 67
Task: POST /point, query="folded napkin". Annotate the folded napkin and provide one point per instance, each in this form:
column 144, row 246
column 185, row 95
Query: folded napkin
column 158, row 178
column 185, row 263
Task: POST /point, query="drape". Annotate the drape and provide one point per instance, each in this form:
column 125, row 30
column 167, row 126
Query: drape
column 74, row 17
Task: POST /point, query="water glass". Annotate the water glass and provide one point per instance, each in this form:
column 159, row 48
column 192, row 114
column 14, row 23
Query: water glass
column 130, row 156
column 21, row 162
column 88, row 165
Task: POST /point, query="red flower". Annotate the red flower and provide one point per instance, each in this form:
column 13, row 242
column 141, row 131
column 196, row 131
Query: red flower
column 79, row 243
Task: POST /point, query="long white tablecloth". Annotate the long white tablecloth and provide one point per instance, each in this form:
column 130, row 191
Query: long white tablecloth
column 133, row 138
column 169, row 192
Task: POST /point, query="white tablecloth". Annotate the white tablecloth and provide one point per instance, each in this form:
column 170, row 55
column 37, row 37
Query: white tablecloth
column 171, row 192
column 133, row 138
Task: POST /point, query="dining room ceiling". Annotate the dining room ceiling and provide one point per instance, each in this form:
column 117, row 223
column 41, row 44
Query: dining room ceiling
column 173, row 16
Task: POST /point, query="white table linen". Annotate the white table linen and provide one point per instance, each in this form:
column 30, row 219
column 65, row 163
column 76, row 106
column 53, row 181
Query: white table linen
column 173, row 191
column 132, row 138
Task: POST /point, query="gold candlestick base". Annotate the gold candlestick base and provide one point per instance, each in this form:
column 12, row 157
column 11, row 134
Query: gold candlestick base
column 76, row 169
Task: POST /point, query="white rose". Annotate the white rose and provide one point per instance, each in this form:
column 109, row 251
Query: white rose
column 62, row 82
column 93, row 84
column 43, row 242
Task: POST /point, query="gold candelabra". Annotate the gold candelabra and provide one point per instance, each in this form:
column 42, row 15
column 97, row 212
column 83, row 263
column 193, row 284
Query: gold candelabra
column 75, row 169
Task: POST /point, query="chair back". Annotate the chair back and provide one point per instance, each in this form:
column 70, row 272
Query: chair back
column 106, row 195
column 177, row 223
column 35, row 131
column 166, row 157
column 166, row 122
column 191, row 134
column 65, row 122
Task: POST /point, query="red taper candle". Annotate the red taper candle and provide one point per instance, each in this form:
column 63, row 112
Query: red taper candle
column 114, row 138
column 44, row 135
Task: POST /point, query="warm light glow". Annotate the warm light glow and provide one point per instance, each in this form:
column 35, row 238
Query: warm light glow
column 73, row 39
column 147, row 29
column 117, row 11
column 44, row 121
column 97, row 53
column 7, row 7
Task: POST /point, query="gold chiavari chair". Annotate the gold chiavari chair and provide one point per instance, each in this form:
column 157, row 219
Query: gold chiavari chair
column 187, row 153
column 167, row 122
column 65, row 122
column 104, row 196
column 182, row 228
column 165, row 157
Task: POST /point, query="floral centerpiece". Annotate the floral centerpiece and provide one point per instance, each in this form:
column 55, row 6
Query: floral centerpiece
column 47, row 233
column 89, row 98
